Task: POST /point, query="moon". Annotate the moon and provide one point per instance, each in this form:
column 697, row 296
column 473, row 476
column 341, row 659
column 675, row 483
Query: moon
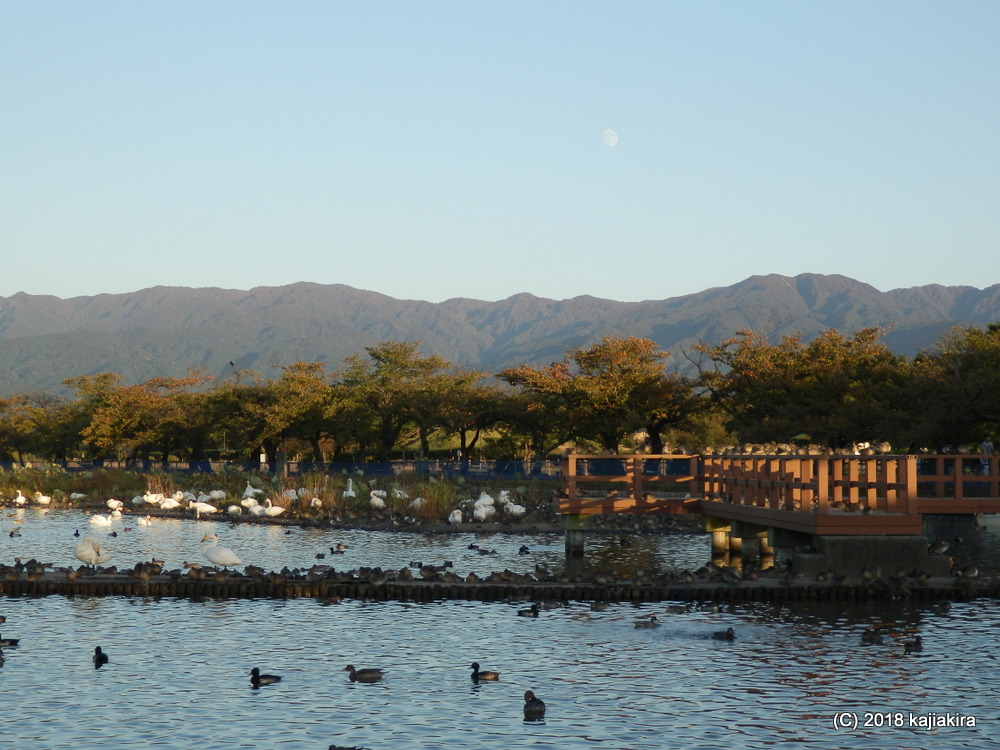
column 610, row 138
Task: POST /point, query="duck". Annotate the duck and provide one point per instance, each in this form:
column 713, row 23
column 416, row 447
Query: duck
column 872, row 637
column 100, row 658
column 939, row 547
column 909, row 647
column 484, row 675
column 220, row 556
column 88, row 551
column 257, row 679
column 724, row 635
column 650, row 622
column 534, row 707
column 364, row 675
column 9, row 642
column 532, row 611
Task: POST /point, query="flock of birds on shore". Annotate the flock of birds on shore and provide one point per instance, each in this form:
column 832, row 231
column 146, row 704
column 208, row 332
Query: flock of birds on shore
column 256, row 502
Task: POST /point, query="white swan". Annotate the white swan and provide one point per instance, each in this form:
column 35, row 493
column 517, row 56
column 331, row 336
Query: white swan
column 145, row 521
column 376, row 499
column 42, row 499
column 484, row 500
column 515, row 510
column 157, row 498
column 256, row 509
column 249, row 502
column 20, row 499
column 455, row 516
column 272, row 510
column 200, row 507
column 99, row 520
column 484, row 512
column 348, row 494
column 168, row 503
column 234, row 510
column 290, row 496
column 252, row 491
column 220, row 556
column 315, row 503
column 89, row 551
column 217, row 495
column 115, row 504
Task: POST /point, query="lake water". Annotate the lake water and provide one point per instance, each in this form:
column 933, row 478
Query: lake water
column 178, row 675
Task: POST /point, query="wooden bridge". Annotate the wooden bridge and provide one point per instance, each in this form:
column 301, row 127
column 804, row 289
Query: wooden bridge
column 782, row 500
column 826, row 494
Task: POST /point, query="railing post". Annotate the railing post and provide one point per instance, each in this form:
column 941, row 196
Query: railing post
column 822, row 498
column 909, row 480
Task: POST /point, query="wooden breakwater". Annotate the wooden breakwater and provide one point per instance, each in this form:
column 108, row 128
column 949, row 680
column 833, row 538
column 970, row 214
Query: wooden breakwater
column 433, row 591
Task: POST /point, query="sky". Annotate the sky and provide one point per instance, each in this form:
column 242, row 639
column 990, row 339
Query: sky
column 430, row 150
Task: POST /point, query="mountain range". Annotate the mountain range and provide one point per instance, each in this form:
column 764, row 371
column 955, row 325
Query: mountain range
column 172, row 330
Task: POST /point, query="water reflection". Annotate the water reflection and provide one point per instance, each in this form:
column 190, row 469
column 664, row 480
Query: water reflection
column 179, row 667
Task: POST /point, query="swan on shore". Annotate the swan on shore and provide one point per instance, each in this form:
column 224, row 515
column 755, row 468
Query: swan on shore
column 271, row 509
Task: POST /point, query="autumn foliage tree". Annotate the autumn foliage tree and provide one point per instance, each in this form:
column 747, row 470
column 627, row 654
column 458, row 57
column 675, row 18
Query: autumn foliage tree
column 835, row 389
column 608, row 391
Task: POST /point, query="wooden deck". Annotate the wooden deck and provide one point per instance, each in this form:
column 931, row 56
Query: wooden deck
column 826, row 494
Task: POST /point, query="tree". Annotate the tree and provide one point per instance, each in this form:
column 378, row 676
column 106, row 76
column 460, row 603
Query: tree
column 302, row 399
column 388, row 386
column 956, row 396
column 836, row 388
column 614, row 388
column 136, row 420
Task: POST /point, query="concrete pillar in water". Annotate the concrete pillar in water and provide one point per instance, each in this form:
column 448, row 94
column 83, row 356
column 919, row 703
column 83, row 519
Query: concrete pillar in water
column 574, row 529
column 751, row 549
column 720, row 543
column 766, row 550
column 735, row 546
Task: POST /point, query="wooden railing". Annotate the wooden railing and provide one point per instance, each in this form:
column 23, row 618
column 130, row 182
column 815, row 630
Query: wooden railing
column 597, row 484
column 894, row 484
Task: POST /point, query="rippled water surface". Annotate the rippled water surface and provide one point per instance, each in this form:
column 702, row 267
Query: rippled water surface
column 178, row 675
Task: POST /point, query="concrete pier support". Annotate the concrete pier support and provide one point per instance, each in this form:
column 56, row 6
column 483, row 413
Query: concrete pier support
column 751, row 549
column 574, row 530
column 735, row 546
column 720, row 543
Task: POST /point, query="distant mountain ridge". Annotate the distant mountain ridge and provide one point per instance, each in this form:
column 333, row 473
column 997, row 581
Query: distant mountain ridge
column 171, row 330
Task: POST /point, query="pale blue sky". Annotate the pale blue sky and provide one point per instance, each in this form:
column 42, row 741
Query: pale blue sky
column 429, row 150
